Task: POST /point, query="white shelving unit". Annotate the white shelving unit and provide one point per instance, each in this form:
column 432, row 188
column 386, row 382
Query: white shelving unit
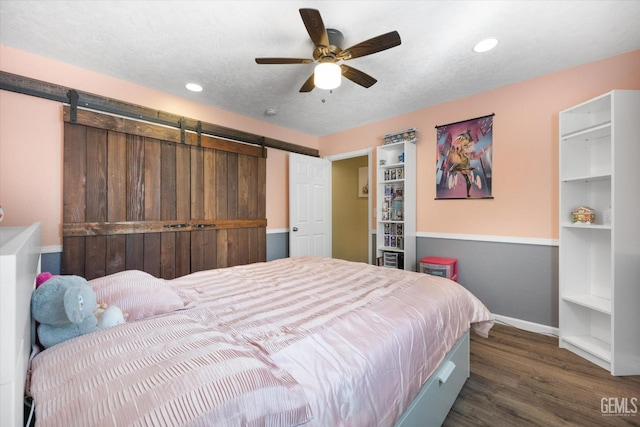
column 600, row 263
column 396, row 205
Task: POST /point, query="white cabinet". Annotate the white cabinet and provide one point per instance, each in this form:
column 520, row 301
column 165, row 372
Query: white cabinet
column 599, row 263
column 19, row 266
column 396, row 205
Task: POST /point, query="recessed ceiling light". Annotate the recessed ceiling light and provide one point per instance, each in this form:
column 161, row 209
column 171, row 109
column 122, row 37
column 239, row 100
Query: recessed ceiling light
column 485, row 45
column 194, row 87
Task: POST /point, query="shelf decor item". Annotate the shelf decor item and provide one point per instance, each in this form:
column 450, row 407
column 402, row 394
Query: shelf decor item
column 363, row 182
column 464, row 165
column 583, row 215
column 407, row 135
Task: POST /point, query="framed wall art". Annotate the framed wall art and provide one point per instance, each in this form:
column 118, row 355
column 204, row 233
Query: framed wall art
column 363, row 182
column 464, row 159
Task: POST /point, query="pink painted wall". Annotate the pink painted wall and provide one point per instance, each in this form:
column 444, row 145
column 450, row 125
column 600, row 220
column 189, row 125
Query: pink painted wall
column 525, row 155
column 31, row 140
column 525, row 184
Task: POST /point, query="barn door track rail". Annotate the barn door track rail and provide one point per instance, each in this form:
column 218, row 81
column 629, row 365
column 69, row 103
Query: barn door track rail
column 78, row 99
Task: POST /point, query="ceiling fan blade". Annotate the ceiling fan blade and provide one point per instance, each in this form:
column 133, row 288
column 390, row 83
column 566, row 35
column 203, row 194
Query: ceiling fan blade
column 315, row 27
column 283, row 61
column 376, row 44
column 308, row 85
column 357, row 76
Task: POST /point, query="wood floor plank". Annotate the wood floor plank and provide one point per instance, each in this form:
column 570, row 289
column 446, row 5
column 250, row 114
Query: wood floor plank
column 520, row 378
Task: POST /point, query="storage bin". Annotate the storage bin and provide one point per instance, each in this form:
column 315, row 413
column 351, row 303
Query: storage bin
column 439, row 266
column 393, row 260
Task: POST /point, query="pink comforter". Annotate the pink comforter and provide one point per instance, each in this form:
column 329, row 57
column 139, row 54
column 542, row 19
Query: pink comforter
column 312, row 341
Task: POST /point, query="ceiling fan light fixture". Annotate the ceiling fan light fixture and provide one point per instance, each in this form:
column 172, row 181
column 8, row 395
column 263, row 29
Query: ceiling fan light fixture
column 327, row 75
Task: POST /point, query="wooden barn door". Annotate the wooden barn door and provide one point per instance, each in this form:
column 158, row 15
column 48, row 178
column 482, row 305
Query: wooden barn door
column 146, row 197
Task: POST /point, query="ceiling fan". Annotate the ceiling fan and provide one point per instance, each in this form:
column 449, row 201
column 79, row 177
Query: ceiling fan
column 329, row 52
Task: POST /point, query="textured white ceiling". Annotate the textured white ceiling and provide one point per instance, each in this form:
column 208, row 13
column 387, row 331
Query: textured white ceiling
column 165, row 44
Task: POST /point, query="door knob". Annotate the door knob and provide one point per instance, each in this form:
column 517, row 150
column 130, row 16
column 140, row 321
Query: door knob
column 295, row 228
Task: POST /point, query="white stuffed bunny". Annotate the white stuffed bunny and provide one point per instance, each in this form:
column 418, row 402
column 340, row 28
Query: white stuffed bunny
column 109, row 316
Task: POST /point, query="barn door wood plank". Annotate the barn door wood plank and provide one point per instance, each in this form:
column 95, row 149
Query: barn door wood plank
column 262, row 244
column 152, row 190
column 183, row 209
column 96, row 202
column 168, row 255
column 168, row 172
column 73, row 255
column 208, row 191
column 135, row 178
column 74, row 201
column 244, row 180
column 197, row 251
column 233, row 247
column 115, row 256
column 261, row 191
column 183, row 182
column 197, row 182
column 116, row 177
column 151, row 254
column 251, row 171
column 221, row 188
column 96, row 257
column 254, row 250
column 243, row 247
column 210, row 260
column 232, row 186
column 96, row 174
column 152, row 197
column 222, row 249
column 135, row 200
column 183, row 254
column 168, row 208
column 134, row 252
column 75, row 152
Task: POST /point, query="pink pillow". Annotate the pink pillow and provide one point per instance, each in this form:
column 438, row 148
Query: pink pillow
column 136, row 293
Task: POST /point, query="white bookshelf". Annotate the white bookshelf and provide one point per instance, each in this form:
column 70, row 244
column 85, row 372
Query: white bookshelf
column 396, row 204
column 599, row 264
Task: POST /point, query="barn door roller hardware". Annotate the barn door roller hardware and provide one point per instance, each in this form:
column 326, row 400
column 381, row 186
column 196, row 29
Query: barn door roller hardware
column 73, row 101
column 183, row 129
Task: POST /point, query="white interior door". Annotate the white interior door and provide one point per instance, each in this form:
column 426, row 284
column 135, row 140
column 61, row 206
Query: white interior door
column 309, row 206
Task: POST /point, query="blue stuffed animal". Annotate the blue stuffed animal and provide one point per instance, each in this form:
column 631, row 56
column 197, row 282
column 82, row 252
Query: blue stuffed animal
column 64, row 306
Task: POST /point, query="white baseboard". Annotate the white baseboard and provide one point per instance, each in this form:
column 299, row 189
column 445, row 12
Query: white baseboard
column 526, row 325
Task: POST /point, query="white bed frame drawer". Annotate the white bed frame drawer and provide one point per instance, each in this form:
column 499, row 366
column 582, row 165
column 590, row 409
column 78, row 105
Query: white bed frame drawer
column 431, row 406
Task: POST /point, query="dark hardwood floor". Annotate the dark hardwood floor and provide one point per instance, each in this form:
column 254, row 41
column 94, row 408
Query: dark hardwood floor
column 520, row 378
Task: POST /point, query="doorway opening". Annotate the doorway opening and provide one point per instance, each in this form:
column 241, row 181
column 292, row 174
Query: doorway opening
column 351, row 206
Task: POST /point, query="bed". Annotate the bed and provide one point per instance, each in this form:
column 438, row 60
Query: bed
column 296, row 341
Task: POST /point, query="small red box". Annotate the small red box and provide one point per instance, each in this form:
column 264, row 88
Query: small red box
column 438, row 266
